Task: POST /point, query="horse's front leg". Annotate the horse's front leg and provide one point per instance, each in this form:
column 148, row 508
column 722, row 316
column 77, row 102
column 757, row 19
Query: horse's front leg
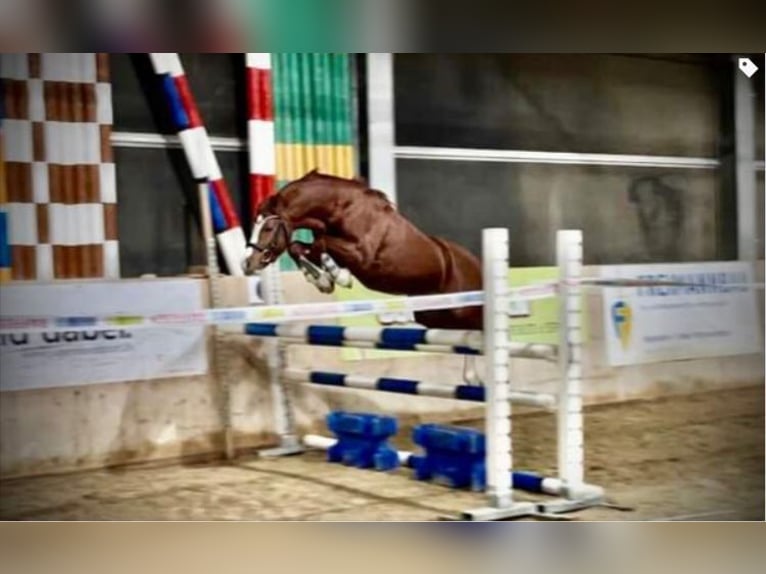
column 310, row 264
column 339, row 275
column 318, row 255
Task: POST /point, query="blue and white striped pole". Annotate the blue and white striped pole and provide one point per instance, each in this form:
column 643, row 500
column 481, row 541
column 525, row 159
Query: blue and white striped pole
column 522, row 480
column 395, row 338
column 411, row 387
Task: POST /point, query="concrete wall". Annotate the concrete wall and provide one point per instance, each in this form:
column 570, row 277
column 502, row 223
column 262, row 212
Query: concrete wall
column 64, row 429
column 662, row 216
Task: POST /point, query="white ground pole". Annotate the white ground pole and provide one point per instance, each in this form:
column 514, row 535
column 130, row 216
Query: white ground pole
column 499, row 462
column 569, row 423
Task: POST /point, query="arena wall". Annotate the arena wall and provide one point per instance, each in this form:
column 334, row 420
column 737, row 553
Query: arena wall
column 74, row 428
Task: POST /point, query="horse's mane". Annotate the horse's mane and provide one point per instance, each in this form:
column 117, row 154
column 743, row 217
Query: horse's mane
column 358, row 183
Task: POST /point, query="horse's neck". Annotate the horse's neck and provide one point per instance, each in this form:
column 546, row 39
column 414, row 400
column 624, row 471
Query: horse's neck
column 311, row 201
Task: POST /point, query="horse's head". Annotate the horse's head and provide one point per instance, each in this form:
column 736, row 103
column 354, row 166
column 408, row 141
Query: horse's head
column 269, row 239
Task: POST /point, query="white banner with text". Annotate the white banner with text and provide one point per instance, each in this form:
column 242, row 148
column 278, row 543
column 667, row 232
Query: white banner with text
column 61, row 357
column 713, row 314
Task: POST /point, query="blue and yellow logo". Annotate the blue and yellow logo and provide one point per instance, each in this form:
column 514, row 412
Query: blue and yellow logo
column 622, row 319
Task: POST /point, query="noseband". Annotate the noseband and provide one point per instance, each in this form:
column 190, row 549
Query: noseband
column 282, row 227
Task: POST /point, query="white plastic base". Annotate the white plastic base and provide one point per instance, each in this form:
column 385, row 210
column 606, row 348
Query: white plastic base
column 290, row 446
column 489, row 513
column 576, row 498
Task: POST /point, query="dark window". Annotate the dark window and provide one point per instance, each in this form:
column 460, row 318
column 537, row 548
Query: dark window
column 217, row 82
column 566, row 103
column 668, row 105
column 158, row 209
column 158, row 214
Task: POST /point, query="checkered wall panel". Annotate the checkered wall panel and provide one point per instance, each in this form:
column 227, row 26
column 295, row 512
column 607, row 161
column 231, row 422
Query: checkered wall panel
column 59, row 172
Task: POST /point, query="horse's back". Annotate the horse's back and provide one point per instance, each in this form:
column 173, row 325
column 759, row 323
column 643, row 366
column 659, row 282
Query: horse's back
column 411, row 262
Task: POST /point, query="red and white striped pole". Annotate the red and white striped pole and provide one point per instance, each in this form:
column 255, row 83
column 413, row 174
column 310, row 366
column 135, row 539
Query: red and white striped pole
column 260, row 128
column 262, row 153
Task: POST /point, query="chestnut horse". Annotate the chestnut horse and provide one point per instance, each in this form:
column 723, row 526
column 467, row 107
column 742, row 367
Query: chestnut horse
column 358, row 229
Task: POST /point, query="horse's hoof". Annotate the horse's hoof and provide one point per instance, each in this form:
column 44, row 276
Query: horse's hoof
column 345, row 279
column 325, row 285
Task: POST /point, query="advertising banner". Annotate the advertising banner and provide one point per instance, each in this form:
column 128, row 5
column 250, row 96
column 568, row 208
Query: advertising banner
column 56, row 358
column 714, row 315
column 532, row 321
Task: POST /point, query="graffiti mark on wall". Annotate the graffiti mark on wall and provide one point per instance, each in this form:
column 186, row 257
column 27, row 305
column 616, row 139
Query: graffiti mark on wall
column 658, row 203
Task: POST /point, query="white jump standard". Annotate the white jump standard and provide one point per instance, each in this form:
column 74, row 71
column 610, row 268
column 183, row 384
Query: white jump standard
column 497, row 414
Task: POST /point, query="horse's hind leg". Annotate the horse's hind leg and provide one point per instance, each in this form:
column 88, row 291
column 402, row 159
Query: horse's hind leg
column 470, row 374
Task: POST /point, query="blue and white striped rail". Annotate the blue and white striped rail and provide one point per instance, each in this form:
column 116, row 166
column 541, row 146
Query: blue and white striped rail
column 395, row 338
column 391, row 338
column 411, row 387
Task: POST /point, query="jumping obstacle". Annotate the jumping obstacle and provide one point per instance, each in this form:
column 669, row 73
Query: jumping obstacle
column 497, row 395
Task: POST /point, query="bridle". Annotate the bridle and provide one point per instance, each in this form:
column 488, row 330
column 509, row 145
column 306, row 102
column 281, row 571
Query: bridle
column 282, row 227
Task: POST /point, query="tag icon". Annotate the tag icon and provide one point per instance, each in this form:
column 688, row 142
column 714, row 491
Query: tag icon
column 747, row 67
